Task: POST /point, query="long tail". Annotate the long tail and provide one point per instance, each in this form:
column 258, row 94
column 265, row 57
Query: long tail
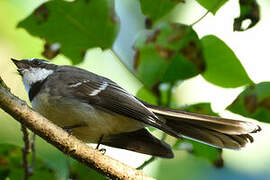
column 214, row 131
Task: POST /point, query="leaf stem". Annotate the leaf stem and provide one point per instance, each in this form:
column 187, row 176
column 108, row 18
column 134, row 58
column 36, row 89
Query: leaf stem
column 198, row 20
column 208, row 11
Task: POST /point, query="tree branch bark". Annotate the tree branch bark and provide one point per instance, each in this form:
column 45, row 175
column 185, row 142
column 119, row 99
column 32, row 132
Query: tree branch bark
column 25, row 153
column 59, row 138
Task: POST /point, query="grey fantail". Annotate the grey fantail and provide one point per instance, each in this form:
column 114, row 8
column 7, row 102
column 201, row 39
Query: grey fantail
column 97, row 110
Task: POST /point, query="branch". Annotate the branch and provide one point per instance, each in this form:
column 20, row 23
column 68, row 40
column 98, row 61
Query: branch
column 33, row 150
column 59, row 138
column 26, row 151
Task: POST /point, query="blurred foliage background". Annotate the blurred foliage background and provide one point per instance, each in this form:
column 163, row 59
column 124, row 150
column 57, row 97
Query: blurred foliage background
column 157, row 52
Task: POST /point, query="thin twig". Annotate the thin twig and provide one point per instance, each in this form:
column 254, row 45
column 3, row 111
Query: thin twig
column 33, row 151
column 147, row 162
column 153, row 158
column 25, row 152
column 203, row 16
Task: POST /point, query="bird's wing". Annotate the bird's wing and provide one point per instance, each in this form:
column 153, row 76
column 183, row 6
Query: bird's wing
column 106, row 95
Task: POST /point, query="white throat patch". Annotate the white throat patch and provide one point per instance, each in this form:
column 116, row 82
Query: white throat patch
column 34, row 75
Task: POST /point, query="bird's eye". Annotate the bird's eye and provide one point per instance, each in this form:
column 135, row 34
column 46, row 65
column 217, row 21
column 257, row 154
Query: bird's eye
column 37, row 63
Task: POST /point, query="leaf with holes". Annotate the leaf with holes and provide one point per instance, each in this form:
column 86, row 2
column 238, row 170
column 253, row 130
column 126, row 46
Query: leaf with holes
column 155, row 9
column 71, row 28
column 223, row 68
column 253, row 102
column 171, row 52
column 249, row 10
column 212, row 5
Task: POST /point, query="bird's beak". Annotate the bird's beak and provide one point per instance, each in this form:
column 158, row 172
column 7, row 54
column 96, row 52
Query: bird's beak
column 20, row 65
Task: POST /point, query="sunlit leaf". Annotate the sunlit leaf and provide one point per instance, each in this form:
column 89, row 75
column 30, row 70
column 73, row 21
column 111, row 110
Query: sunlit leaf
column 249, row 10
column 212, row 5
column 155, row 9
column 147, row 96
column 223, row 68
column 253, row 102
column 171, row 52
column 75, row 26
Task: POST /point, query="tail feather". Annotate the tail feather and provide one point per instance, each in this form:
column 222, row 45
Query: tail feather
column 210, row 137
column 214, row 131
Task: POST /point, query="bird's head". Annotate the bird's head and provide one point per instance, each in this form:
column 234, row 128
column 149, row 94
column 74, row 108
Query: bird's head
column 34, row 70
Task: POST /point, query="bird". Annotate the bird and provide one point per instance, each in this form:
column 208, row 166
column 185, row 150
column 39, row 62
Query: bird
column 97, row 110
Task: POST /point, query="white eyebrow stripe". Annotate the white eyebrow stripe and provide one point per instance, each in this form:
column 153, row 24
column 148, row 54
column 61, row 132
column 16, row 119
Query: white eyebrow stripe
column 101, row 88
column 76, row 85
column 32, row 59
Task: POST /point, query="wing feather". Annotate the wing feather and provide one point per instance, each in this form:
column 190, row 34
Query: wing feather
column 109, row 97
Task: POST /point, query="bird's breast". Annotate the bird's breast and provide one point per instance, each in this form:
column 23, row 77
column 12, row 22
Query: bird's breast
column 72, row 112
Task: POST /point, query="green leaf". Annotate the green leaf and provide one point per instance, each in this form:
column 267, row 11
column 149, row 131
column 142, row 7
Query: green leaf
column 201, row 108
column 253, row 102
column 156, row 9
column 223, row 68
column 82, row 172
column 71, row 28
column 209, row 153
column 171, row 52
column 212, row 154
column 11, row 165
column 249, row 9
column 147, row 96
column 212, row 5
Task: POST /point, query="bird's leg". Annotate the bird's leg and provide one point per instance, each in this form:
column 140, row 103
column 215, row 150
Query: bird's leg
column 99, row 141
column 102, row 150
column 68, row 129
